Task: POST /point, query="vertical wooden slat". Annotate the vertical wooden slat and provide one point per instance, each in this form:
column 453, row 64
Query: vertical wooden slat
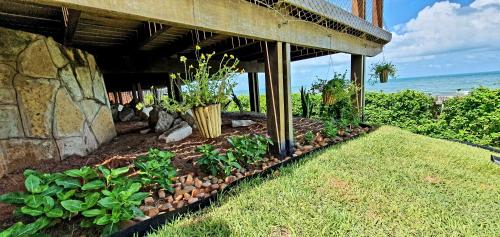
column 358, row 77
column 359, row 8
column 378, row 13
column 71, row 18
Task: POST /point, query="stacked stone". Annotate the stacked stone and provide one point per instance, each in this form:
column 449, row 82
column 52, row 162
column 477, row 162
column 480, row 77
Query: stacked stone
column 53, row 101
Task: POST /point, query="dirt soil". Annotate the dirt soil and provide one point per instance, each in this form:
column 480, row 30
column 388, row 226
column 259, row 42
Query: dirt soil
column 129, row 144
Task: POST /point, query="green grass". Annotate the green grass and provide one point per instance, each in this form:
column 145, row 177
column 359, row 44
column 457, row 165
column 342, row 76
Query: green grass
column 388, row 183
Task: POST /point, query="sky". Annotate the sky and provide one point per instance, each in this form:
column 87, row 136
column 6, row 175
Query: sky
column 429, row 38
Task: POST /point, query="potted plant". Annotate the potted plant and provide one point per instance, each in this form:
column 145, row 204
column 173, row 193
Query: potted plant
column 203, row 90
column 383, row 70
column 334, row 89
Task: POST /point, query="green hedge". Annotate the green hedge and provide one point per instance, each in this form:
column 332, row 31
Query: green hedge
column 473, row 118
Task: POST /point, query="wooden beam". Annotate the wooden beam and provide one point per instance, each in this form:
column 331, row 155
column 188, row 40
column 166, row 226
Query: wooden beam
column 71, row 18
column 358, row 77
column 278, row 101
column 378, row 13
column 253, row 86
column 150, row 31
column 238, row 18
column 359, row 8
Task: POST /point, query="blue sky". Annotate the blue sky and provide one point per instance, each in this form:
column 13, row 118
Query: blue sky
column 429, row 38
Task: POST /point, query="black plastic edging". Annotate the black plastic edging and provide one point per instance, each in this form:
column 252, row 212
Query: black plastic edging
column 151, row 224
column 489, row 148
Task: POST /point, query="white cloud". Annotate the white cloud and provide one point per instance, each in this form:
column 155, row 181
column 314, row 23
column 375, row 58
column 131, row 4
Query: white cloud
column 485, row 3
column 447, row 27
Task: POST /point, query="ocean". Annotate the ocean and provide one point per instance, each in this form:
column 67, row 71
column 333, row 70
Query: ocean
column 443, row 85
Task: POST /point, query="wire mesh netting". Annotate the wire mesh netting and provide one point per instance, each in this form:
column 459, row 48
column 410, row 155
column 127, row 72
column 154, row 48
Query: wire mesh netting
column 353, row 17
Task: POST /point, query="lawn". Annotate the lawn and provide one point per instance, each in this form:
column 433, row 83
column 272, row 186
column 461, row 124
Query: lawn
column 388, row 183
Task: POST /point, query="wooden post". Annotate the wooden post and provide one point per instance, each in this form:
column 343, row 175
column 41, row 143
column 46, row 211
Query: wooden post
column 278, row 101
column 378, row 13
column 359, row 8
column 134, row 93
column 120, row 97
column 140, row 93
column 253, row 86
column 358, row 77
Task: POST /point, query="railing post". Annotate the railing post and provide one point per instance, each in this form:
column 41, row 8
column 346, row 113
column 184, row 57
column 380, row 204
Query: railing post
column 378, row 13
column 359, row 8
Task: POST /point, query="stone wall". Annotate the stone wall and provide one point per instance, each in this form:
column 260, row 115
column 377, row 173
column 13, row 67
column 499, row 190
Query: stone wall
column 53, row 102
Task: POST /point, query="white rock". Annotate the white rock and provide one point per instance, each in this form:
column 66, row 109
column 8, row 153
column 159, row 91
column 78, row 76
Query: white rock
column 241, row 123
column 145, row 131
column 177, row 135
column 145, row 112
column 120, row 108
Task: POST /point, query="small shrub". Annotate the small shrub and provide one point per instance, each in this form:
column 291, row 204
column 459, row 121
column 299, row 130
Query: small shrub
column 215, row 163
column 249, row 149
column 156, row 168
column 309, row 137
column 330, row 130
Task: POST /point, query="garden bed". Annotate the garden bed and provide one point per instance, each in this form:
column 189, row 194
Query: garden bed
column 193, row 188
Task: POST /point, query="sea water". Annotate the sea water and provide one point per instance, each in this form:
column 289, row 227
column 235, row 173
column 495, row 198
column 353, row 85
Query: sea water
column 444, row 85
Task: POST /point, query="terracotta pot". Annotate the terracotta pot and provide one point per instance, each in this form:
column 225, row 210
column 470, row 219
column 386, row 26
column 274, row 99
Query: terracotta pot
column 384, row 75
column 208, row 119
column 328, row 98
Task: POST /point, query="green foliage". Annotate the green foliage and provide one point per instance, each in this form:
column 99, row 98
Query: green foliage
column 330, row 130
column 56, row 196
column 378, row 70
column 309, row 137
column 306, row 103
column 202, row 84
column 156, row 168
column 149, row 100
column 407, row 109
column 215, row 163
column 249, row 149
column 474, row 118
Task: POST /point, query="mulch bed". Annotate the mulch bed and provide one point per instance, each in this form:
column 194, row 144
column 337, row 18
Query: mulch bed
column 122, row 150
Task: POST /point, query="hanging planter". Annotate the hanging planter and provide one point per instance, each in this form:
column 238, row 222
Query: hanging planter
column 208, row 119
column 328, row 98
column 382, row 71
column 205, row 86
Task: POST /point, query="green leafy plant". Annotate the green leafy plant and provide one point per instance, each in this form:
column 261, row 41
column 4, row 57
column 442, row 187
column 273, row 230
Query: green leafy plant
column 330, row 130
column 149, row 100
column 309, row 137
column 156, row 168
column 203, row 84
column 382, row 71
column 249, row 149
column 56, row 196
column 306, row 102
column 215, row 163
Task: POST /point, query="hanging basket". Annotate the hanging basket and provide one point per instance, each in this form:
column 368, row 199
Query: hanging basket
column 328, row 98
column 208, row 119
column 384, row 75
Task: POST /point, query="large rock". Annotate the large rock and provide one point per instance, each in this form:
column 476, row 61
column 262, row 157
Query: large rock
column 189, row 118
column 21, row 153
column 145, row 113
column 36, row 102
column 153, row 117
column 7, row 96
column 58, row 58
column 68, row 119
column 177, row 134
column 6, row 75
column 68, row 79
column 81, row 145
column 83, row 77
column 103, row 126
column 92, row 65
column 126, row 114
column 35, row 61
column 114, row 112
column 99, row 90
column 165, row 121
column 12, row 42
column 10, row 122
column 90, row 109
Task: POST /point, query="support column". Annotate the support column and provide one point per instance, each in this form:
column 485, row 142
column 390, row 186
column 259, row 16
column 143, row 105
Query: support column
column 278, row 98
column 140, row 93
column 134, row 93
column 358, row 77
column 378, row 13
column 359, row 8
column 253, row 86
